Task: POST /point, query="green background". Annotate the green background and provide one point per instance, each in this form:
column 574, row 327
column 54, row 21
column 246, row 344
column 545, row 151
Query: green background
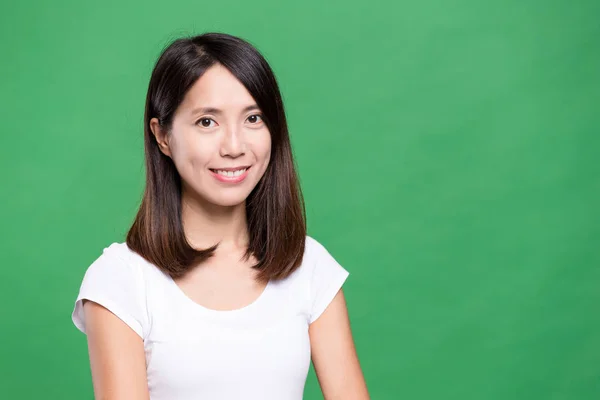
column 449, row 153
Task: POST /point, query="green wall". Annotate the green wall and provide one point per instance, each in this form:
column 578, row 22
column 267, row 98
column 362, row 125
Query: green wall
column 449, row 154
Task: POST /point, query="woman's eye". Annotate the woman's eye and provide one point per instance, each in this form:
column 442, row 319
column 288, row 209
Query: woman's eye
column 205, row 122
column 255, row 118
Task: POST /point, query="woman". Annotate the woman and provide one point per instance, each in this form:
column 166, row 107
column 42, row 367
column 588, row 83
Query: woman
column 217, row 293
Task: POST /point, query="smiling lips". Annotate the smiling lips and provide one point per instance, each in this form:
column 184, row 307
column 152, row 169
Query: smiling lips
column 230, row 175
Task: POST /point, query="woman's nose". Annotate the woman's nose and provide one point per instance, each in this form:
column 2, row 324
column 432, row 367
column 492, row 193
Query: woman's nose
column 233, row 142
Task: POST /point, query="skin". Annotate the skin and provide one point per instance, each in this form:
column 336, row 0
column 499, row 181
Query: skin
column 214, row 211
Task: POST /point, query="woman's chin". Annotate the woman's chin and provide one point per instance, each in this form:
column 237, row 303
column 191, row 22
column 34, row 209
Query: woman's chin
column 229, row 201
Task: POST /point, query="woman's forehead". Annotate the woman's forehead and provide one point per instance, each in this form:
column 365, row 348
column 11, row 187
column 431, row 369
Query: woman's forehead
column 218, row 88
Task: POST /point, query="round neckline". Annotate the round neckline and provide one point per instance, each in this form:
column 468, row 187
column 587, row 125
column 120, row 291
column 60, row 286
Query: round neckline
column 224, row 313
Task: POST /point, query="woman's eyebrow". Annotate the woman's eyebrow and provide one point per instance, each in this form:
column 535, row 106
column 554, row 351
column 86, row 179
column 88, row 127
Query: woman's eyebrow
column 213, row 110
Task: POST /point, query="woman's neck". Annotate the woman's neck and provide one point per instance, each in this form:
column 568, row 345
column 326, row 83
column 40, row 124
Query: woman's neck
column 205, row 224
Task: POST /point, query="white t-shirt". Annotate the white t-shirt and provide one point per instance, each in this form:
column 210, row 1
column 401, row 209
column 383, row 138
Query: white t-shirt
column 260, row 351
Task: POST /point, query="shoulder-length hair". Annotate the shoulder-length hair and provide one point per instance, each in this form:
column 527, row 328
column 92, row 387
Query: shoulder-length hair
column 275, row 209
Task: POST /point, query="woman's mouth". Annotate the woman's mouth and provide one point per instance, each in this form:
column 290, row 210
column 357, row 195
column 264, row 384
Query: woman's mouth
column 230, row 175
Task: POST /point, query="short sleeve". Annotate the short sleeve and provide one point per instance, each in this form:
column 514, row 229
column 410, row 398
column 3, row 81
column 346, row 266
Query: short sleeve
column 118, row 285
column 327, row 278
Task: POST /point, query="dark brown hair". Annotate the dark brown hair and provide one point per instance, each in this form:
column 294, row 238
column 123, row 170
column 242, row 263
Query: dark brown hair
column 275, row 210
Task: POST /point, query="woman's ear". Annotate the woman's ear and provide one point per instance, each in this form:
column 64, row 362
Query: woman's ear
column 160, row 136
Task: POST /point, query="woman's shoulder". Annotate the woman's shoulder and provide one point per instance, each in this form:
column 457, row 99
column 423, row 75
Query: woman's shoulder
column 315, row 251
column 119, row 250
column 122, row 252
column 117, row 259
column 325, row 276
column 120, row 255
column 316, row 256
column 116, row 281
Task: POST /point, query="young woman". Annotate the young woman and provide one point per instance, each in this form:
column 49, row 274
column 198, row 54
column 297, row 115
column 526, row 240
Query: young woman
column 217, row 292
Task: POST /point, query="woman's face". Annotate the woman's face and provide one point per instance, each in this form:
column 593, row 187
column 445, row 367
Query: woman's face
column 217, row 132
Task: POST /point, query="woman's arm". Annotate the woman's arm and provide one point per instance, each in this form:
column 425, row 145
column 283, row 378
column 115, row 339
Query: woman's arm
column 334, row 355
column 117, row 356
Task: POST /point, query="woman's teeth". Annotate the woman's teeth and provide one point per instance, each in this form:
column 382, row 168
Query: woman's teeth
column 231, row 174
